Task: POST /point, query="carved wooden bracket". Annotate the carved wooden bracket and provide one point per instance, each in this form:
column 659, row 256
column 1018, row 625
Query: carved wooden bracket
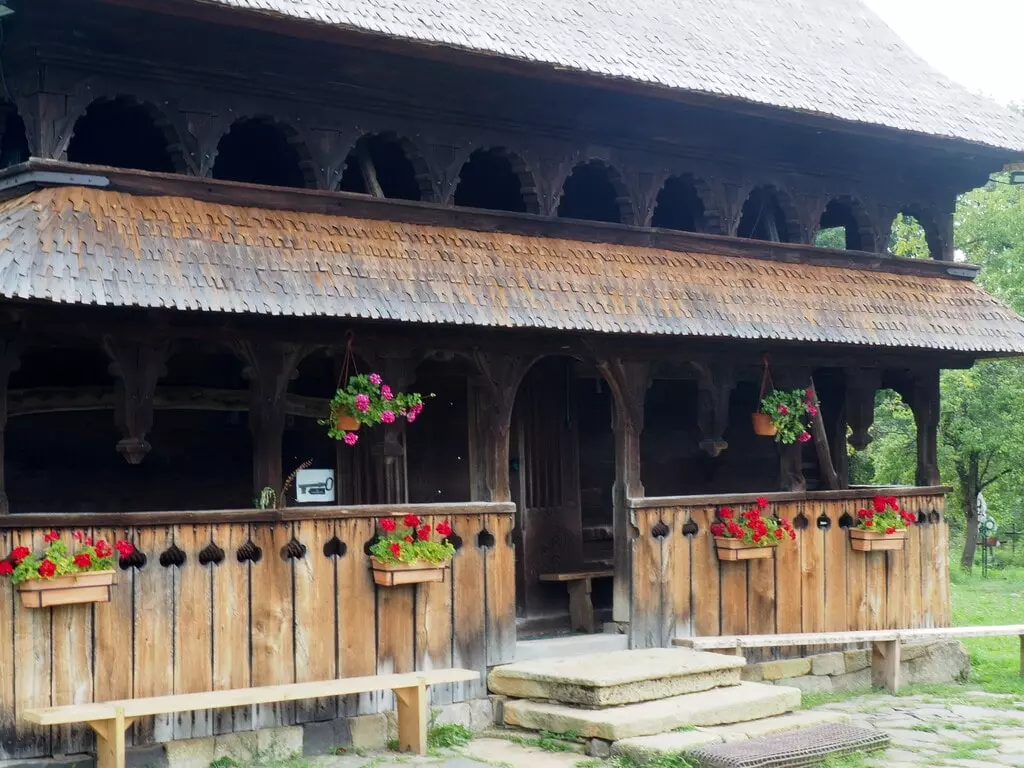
column 138, row 364
column 861, row 385
column 715, row 384
column 925, row 403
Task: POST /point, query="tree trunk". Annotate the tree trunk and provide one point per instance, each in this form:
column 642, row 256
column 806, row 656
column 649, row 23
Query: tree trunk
column 970, row 502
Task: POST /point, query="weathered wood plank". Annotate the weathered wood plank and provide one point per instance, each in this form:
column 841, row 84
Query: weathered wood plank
column 734, row 598
column 788, row 614
column 315, row 616
column 434, row 624
column 874, row 588
column 272, row 621
column 837, row 546
column 231, row 622
column 154, row 632
column 32, row 645
column 912, row 575
column 193, row 631
column 113, row 662
column 705, row 573
column 501, row 591
column 357, row 603
column 812, row 568
column 396, row 633
column 72, row 627
column 677, row 579
column 944, row 617
column 645, row 618
column 469, row 647
column 895, row 588
column 7, row 656
column 929, row 579
column 761, row 590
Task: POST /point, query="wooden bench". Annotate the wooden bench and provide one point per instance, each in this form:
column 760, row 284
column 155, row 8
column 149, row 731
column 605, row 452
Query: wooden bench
column 885, row 644
column 110, row 719
column 581, row 608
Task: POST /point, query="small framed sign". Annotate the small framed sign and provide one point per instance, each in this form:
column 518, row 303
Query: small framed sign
column 314, row 486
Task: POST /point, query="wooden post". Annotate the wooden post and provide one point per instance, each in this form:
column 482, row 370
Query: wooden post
column 885, row 665
column 492, row 396
column 269, row 367
column 138, row 363
column 10, row 350
column 820, row 436
column 924, row 402
column 628, row 382
column 389, row 455
column 412, row 718
column 861, row 385
column 791, row 457
column 715, row 384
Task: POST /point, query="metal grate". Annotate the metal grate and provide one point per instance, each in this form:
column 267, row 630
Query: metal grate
column 795, row 749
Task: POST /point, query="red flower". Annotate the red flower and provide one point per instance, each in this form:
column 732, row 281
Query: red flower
column 83, row 560
column 443, row 528
column 725, row 513
column 412, row 521
column 779, row 533
column 125, row 548
column 77, row 535
column 717, row 529
column 783, row 410
column 735, row 529
column 387, row 525
column 408, row 539
column 757, row 538
column 47, row 569
column 6, row 569
column 424, row 533
column 103, row 549
column 792, row 534
column 809, row 394
column 869, row 523
column 862, row 514
column 891, row 501
column 804, row 437
column 396, row 548
column 19, row 554
column 51, row 537
column 761, row 502
column 878, row 503
column 890, row 530
column 88, row 541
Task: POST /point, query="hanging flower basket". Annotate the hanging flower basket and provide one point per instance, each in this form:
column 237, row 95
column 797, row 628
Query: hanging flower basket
column 407, row 553
column 56, row 576
column 366, row 399
column 346, row 422
column 881, row 527
column 751, row 535
column 781, row 414
column 763, row 425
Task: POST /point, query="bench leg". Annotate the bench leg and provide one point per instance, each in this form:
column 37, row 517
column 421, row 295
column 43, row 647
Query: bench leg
column 581, row 609
column 412, row 719
column 110, row 740
column 885, row 665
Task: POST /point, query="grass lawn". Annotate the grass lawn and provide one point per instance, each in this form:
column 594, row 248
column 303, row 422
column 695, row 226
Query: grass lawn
column 998, row 599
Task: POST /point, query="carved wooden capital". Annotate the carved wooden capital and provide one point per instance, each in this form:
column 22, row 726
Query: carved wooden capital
column 861, row 386
column 715, row 384
column 138, row 363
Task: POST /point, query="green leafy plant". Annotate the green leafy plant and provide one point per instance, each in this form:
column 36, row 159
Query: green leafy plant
column 368, row 400
column 787, row 410
column 754, row 527
column 884, row 516
column 410, row 540
column 447, row 736
column 56, row 560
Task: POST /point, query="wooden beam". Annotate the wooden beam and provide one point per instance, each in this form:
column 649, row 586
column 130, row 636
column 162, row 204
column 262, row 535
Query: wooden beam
column 368, row 171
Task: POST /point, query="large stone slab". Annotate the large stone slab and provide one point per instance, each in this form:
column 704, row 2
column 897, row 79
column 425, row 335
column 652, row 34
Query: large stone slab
column 732, row 704
column 619, row 677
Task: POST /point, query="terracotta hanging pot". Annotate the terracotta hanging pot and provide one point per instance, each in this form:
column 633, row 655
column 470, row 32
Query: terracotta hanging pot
column 763, row 425
column 347, row 422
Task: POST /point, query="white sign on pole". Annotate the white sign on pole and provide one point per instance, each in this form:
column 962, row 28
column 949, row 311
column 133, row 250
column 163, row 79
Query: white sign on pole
column 314, row 486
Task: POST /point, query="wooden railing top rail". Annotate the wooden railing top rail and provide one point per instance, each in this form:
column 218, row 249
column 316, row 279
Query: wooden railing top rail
column 288, row 514
column 859, row 492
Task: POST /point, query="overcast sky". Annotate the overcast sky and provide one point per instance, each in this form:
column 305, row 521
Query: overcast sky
column 979, row 43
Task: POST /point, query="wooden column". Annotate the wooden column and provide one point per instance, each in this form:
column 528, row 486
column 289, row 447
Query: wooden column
column 924, row 401
column 492, row 396
column 10, row 350
column 629, row 382
column 389, row 456
column 138, row 363
column 715, row 384
column 791, row 457
column 861, row 386
column 269, row 367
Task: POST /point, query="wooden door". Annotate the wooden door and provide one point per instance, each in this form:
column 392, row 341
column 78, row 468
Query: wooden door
column 546, row 488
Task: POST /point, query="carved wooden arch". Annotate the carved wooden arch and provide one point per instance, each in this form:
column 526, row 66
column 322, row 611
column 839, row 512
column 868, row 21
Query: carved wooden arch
column 425, row 178
column 937, row 245
column 292, row 136
column 713, row 216
column 172, row 131
column 795, row 231
column 520, row 167
column 861, row 219
column 623, row 196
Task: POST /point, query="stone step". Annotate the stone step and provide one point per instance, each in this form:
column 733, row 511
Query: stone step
column 570, row 645
column 644, row 749
column 720, row 706
column 616, row 678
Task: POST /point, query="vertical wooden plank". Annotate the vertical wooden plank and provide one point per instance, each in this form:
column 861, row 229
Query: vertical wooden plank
column 705, row 576
column 154, row 632
column 315, row 617
column 470, row 644
column 812, row 568
column 856, row 581
column 434, row 610
column 645, row 618
column 761, row 599
column 357, row 612
column 788, row 613
column 193, row 630
column 273, row 654
column 501, row 591
column 929, row 578
column 874, row 586
column 7, row 630
column 945, row 617
column 231, row 621
column 677, row 574
column 32, row 637
column 836, row 548
column 396, row 630
column 734, row 597
column 895, row 589
column 72, row 627
column 114, row 628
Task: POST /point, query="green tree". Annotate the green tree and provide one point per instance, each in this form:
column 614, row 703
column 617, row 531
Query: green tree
column 907, row 238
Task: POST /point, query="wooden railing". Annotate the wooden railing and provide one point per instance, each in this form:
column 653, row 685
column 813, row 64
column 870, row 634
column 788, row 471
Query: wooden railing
column 814, row 584
column 246, row 598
